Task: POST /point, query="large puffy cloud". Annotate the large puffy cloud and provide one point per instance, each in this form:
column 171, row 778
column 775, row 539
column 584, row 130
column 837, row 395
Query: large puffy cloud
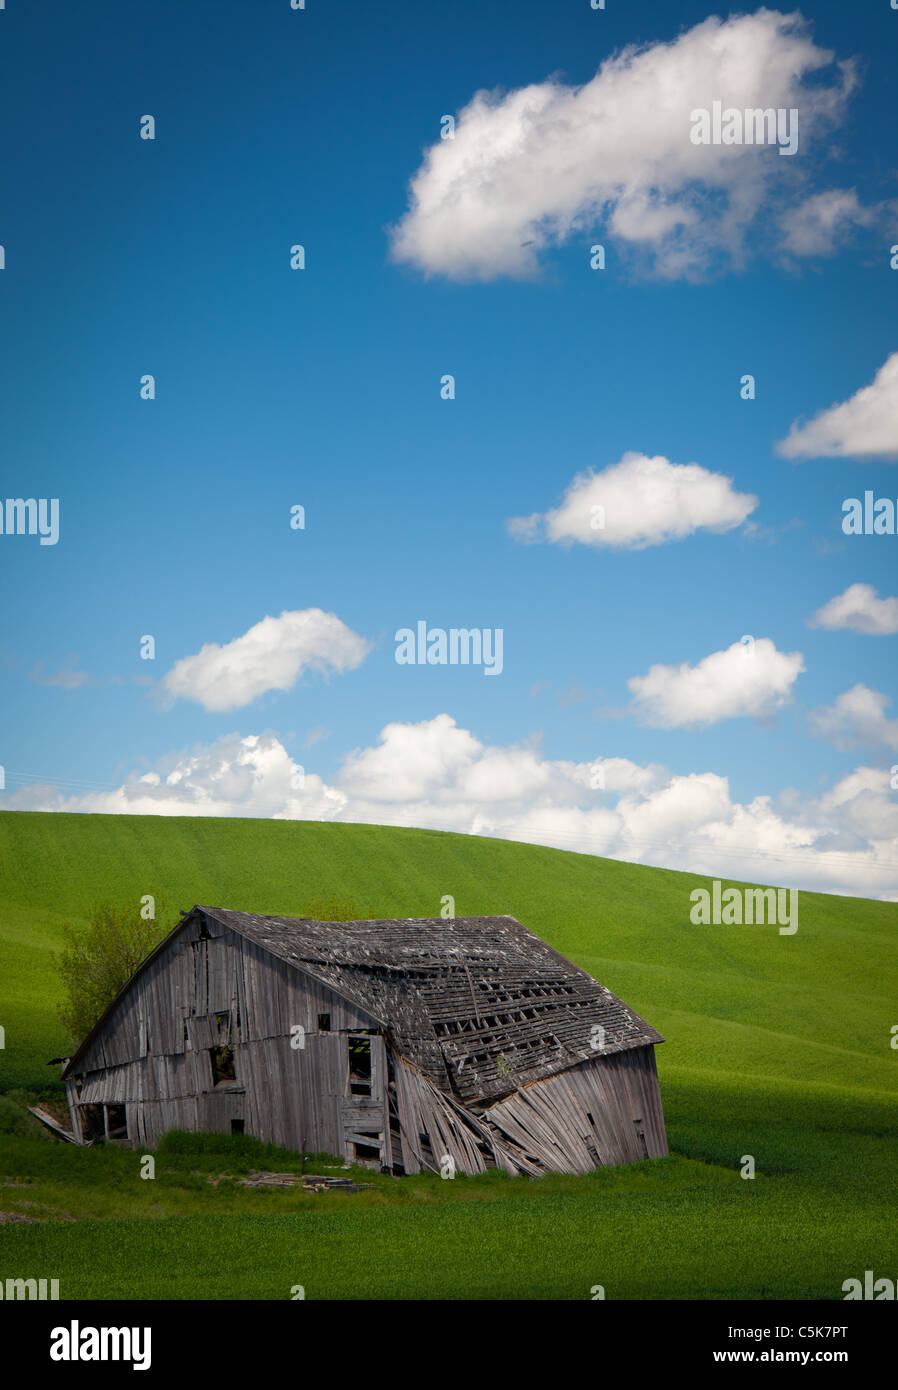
column 846, row 841
column 750, row 678
column 410, row 762
column 272, row 655
column 859, row 609
column 864, row 427
column 862, row 808
column 638, row 502
column 543, row 162
column 856, row 719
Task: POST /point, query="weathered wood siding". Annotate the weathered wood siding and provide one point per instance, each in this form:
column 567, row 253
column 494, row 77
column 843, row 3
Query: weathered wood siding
column 581, row 1119
column 153, row 1054
column 586, row 1117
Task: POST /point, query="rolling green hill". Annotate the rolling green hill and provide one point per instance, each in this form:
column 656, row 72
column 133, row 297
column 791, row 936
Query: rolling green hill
column 777, row 1046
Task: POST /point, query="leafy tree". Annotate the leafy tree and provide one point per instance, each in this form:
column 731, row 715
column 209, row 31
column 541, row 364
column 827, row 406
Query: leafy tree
column 99, row 960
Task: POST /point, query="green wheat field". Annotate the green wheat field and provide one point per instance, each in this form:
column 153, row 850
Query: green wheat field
column 778, row 1047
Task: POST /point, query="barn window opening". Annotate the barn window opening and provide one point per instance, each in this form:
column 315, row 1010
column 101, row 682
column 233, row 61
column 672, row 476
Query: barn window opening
column 116, row 1122
column 366, row 1152
column 324, row 1023
column 359, row 1065
column 222, row 1065
column 222, row 1023
column 237, row 1126
column 204, row 931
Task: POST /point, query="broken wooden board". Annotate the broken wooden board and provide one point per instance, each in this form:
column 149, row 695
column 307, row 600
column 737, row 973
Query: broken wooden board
column 309, row 1182
column 54, row 1125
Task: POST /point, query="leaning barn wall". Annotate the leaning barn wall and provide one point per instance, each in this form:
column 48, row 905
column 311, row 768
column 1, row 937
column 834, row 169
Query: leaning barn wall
column 585, row 1117
column 578, row 1120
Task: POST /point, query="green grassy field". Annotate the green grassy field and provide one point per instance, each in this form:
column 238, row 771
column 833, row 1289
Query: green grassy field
column 778, row 1047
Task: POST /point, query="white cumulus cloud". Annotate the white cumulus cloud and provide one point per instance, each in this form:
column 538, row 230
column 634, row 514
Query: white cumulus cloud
column 235, row 776
column 864, row 427
column 638, row 502
column 747, row 679
column 410, row 761
column 859, row 609
column 857, row 718
column 817, row 226
column 547, row 161
column 272, row 655
column 845, row 841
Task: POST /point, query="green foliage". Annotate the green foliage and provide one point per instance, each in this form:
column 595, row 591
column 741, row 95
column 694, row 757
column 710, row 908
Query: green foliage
column 97, row 962
column 190, row 1142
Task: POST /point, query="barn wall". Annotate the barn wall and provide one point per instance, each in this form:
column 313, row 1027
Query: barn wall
column 581, row 1119
column 585, row 1117
column 153, row 1054
column 432, row 1128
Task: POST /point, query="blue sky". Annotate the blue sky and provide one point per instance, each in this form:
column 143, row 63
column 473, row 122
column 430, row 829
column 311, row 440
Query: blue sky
column 321, row 387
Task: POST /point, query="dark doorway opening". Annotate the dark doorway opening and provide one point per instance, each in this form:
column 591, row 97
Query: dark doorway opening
column 92, row 1123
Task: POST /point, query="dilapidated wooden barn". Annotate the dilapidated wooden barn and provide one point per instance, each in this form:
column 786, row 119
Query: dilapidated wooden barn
column 408, row 1045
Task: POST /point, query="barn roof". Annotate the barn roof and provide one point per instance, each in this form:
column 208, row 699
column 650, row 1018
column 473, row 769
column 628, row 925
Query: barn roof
column 480, row 1004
